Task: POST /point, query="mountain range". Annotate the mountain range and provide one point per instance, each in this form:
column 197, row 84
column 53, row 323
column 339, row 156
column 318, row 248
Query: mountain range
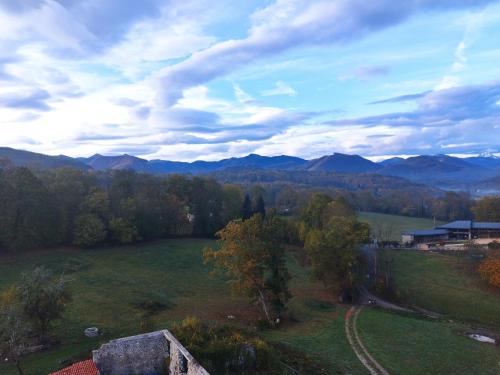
column 441, row 171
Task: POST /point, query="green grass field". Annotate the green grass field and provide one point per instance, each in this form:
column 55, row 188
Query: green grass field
column 416, row 346
column 395, row 224
column 109, row 283
column 446, row 284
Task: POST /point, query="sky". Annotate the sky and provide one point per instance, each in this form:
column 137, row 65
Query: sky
column 188, row 80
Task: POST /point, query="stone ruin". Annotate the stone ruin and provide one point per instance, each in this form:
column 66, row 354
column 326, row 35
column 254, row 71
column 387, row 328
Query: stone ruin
column 149, row 353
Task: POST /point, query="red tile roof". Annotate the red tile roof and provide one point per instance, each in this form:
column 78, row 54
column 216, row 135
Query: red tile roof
column 80, row 368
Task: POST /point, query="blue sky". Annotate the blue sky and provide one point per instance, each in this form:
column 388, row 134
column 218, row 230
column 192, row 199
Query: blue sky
column 186, row 80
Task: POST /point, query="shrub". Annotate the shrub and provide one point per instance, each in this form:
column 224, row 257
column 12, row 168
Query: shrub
column 495, row 245
column 489, row 269
column 89, row 231
column 223, row 350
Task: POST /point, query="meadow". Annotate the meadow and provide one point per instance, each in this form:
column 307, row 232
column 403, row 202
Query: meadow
column 446, row 284
column 396, row 223
column 111, row 286
column 412, row 345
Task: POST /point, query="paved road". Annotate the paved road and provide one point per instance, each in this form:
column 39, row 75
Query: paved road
column 357, row 346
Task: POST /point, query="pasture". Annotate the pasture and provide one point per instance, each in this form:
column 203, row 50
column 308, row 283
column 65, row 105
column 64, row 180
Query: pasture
column 414, row 345
column 133, row 289
column 446, row 284
column 394, row 224
column 113, row 288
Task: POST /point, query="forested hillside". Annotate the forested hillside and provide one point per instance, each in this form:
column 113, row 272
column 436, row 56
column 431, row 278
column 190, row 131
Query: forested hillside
column 68, row 206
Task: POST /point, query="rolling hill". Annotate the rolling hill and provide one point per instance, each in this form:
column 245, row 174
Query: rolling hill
column 439, row 170
column 20, row 158
column 476, row 174
column 342, row 163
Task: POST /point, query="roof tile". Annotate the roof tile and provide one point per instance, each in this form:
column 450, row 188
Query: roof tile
column 80, row 368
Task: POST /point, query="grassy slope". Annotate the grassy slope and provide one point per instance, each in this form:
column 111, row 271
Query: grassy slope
column 397, row 223
column 319, row 327
column 414, row 346
column 107, row 283
column 446, row 284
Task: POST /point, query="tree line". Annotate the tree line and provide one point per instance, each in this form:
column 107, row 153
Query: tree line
column 290, row 190
column 71, row 207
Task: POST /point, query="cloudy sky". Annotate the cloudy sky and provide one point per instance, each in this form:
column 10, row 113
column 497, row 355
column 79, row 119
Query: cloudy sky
column 196, row 79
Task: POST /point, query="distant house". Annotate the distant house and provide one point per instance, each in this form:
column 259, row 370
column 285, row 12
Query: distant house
column 422, row 236
column 460, row 230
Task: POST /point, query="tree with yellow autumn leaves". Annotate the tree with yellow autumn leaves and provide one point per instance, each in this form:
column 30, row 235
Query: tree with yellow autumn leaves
column 489, row 269
column 251, row 254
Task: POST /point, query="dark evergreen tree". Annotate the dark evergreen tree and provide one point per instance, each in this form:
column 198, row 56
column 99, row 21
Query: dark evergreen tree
column 246, row 211
column 260, row 206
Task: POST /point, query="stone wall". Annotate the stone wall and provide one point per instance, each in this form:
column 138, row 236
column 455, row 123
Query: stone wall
column 149, row 353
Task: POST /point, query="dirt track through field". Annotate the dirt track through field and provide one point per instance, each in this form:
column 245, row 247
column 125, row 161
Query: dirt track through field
column 357, row 346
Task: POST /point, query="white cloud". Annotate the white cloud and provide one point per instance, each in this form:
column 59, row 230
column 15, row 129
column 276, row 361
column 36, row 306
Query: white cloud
column 241, row 96
column 151, row 42
column 91, row 76
column 286, row 25
column 280, row 88
column 472, row 25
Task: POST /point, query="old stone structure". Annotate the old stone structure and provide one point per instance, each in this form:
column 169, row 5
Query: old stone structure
column 150, row 353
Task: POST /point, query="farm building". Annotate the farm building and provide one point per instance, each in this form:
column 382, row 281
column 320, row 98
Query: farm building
column 468, row 229
column 460, row 230
column 426, row 235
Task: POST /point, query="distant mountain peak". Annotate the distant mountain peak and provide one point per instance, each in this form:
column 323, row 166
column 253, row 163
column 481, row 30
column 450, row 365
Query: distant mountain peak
column 338, row 162
column 487, row 154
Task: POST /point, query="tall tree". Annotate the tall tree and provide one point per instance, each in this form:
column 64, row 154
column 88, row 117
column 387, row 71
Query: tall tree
column 334, row 254
column 26, row 217
column 68, row 189
column 89, row 231
column 206, row 198
column 246, row 210
column 313, row 215
column 251, row 254
column 14, row 329
column 487, row 209
column 231, row 202
column 43, row 298
column 287, row 200
column 260, row 206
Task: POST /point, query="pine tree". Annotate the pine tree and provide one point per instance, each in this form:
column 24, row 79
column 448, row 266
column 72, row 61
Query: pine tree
column 260, row 206
column 246, row 211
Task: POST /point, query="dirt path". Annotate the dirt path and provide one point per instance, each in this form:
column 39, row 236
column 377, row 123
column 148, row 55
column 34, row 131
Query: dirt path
column 367, row 296
column 357, row 346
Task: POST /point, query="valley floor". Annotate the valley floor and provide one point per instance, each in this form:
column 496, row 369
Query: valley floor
column 111, row 285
